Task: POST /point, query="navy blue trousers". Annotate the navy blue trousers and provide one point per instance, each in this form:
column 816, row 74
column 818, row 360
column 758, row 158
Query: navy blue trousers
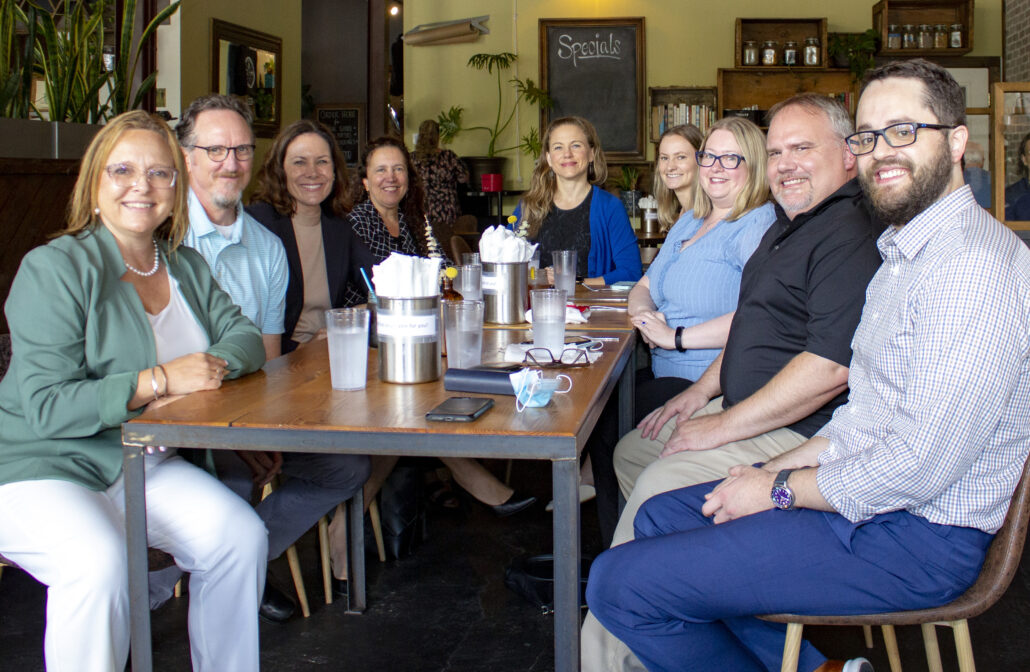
column 684, row 595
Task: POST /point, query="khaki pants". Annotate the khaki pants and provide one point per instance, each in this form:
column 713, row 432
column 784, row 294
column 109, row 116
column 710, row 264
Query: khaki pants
column 643, row 475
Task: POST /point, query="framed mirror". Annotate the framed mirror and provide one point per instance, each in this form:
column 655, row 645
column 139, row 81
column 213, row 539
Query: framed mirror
column 1010, row 115
column 248, row 64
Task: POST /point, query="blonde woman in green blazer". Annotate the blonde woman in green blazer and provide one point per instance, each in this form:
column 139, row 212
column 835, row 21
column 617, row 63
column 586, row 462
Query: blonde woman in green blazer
column 111, row 317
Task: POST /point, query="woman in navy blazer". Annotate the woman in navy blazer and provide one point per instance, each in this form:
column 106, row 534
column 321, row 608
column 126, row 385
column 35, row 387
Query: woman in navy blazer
column 303, row 198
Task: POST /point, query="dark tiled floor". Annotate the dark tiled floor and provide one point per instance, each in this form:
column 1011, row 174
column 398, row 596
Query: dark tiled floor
column 447, row 608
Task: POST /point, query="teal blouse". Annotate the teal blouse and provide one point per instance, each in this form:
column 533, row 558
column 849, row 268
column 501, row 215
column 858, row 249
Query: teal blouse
column 80, row 337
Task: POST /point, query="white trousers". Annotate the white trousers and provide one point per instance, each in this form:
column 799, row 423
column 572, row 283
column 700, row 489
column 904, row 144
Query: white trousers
column 642, row 475
column 72, row 539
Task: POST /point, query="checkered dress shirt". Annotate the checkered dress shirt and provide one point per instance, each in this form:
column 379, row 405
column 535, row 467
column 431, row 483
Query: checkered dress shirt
column 938, row 419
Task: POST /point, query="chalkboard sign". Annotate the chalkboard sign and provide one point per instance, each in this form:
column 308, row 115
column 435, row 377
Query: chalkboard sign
column 346, row 121
column 594, row 68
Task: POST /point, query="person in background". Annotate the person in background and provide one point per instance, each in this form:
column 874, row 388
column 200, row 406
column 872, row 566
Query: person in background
column 1020, row 187
column 391, row 220
column 111, row 317
column 441, row 171
column 567, row 208
column 684, row 305
column 675, row 175
column 250, row 263
column 978, row 179
column 302, row 197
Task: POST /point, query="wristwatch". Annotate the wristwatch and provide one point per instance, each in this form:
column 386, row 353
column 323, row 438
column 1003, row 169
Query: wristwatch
column 782, row 496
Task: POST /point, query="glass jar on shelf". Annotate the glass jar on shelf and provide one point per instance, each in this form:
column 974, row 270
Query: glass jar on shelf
column 812, row 51
column 770, row 52
column 940, row 36
column 955, row 38
column 925, row 36
column 790, row 52
column 894, row 36
column 750, row 53
column 908, row 36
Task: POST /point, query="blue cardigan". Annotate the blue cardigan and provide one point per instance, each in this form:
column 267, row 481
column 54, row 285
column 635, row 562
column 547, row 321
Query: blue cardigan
column 614, row 252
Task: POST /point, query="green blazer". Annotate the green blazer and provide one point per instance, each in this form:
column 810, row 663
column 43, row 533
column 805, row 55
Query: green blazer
column 80, row 337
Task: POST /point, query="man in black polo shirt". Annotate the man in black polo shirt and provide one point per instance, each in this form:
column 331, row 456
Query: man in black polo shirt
column 785, row 365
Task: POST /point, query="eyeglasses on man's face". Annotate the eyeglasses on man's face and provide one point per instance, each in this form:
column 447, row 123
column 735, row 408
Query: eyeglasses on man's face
column 127, row 175
column 219, row 153
column 727, row 161
column 896, row 135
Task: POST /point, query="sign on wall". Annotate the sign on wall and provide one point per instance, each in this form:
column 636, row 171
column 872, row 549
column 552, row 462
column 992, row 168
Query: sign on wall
column 346, row 121
column 594, row 68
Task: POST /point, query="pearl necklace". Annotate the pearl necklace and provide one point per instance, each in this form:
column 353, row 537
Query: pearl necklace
column 157, row 264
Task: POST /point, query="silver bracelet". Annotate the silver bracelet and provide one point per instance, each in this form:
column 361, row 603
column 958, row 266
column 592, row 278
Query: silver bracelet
column 164, row 374
column 153, row 383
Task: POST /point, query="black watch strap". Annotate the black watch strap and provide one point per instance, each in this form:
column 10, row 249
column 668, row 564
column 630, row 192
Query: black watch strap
column 679, row 340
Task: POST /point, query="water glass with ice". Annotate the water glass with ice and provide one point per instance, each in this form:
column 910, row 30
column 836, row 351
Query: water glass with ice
column 564, row 263
column 471, row 287
column 549, row 319
column 463, row 328
column 347, row 330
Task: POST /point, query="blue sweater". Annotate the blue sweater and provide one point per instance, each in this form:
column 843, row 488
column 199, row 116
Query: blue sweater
column 614, row 253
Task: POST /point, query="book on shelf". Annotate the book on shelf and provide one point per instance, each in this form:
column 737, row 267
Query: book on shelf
column 675, row 114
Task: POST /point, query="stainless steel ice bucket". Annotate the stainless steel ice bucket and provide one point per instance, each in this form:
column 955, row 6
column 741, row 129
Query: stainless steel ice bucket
column 409, row 333
column 505, row 292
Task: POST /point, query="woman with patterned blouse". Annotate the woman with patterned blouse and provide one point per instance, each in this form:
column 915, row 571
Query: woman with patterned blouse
column 441, row 170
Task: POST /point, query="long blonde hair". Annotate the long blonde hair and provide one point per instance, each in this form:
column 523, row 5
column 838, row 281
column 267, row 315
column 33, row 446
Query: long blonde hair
column 668, row 203
column 81, row 211
column 538, row 200
column 752, row 146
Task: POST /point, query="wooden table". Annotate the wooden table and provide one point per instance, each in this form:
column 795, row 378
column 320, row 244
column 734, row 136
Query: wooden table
column 290, row 406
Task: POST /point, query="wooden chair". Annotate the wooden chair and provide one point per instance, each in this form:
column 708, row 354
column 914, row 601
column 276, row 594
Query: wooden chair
column 466, row 224
column 459, row 246
column 294, row 561
column 999, row 567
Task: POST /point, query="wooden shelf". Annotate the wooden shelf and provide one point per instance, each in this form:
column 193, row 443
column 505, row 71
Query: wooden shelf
column 780, row 30
column 930, row 12
column 741, row 88
column 672, row 105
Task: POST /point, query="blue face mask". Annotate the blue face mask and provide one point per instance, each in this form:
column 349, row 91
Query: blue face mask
column 532, row 390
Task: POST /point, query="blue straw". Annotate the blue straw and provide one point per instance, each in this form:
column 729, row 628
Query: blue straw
column 368, row 283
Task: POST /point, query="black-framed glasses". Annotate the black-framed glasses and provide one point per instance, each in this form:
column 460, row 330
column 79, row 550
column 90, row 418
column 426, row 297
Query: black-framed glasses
column 219, row 153
column 727, row 161
column 896, row 135
column 545, row 359
column 127, row 175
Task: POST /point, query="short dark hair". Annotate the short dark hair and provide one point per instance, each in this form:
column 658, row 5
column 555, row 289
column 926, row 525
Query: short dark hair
column 271, row 179
column 942, row 93
column 213, row 101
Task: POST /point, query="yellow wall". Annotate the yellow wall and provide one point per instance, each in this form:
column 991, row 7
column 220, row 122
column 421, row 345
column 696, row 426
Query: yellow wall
column 686, row 42
column 275, row 17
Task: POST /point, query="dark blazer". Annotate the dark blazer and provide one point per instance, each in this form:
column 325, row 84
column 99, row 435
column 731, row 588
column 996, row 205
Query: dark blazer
column 345, row 256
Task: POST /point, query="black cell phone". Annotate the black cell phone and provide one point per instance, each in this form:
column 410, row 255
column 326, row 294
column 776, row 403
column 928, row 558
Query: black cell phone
column 508, row 367
column 460, row 409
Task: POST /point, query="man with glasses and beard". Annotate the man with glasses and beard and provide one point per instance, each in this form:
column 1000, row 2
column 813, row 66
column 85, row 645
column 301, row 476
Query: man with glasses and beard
column 249, row 262
column 893, row 504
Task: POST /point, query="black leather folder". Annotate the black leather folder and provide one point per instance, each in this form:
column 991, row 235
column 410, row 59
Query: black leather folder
column 484, row 381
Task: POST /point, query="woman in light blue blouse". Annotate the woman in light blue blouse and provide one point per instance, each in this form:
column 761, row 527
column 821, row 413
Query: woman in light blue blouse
column 684, row 305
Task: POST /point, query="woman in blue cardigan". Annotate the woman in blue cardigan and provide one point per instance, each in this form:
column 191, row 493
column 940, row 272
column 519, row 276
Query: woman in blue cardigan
column 567, row 210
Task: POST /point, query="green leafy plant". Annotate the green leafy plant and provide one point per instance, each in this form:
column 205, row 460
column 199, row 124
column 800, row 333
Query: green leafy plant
column 627, row 180
column 451, row 121
column 16, row 59
column 857, row 49
column 122, row 97
column 69, row 56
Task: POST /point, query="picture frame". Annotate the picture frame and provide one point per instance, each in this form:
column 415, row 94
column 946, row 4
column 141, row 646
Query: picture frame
column 241, row 61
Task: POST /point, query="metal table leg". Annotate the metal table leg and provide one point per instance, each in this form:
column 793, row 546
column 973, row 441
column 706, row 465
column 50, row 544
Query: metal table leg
column 356, row 600
column 565, row 485
column 136, row 538
column 627, row 390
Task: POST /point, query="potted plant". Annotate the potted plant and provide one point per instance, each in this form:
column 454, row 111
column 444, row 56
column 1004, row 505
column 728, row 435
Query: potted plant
column 628, row 192
column 854, row 51
column 452, row 123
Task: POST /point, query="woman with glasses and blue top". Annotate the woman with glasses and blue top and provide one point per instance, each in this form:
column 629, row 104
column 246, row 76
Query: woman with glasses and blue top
column 684, row 305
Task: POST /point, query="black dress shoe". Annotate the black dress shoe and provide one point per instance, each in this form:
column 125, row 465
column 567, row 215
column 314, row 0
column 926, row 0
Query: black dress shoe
column 515, row 504
column 340, row 588
column 276, row 606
